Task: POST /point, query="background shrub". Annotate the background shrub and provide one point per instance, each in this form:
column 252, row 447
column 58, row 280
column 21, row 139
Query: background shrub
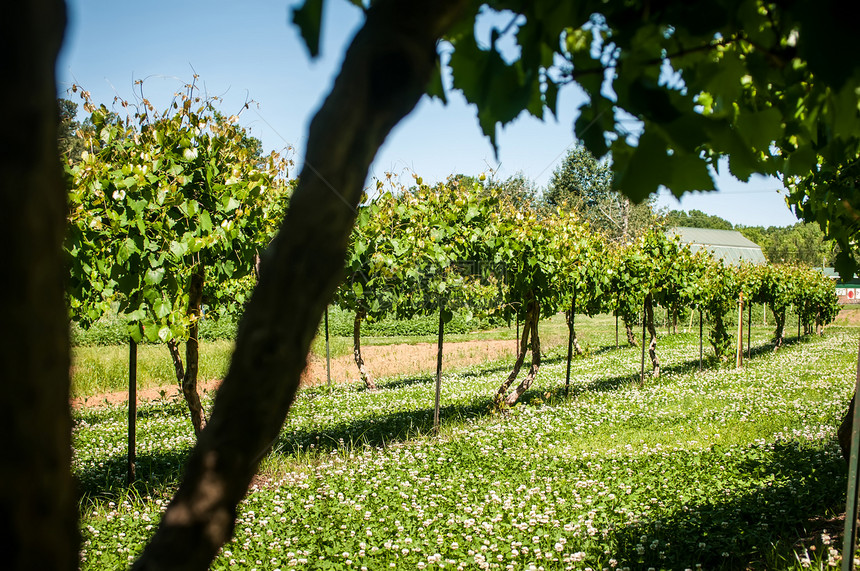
column 341, row 323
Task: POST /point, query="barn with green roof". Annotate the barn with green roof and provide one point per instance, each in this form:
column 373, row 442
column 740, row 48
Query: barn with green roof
column 730, row 246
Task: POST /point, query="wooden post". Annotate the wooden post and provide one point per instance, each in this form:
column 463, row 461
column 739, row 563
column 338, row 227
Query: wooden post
column 616, row 330
column 132, row 408
column 439, row 368
column 570, row 342
column 739, row 353
column 701, row 352
column 749, row 330
column 327, row 352
column 764, row 314
column 517, row 347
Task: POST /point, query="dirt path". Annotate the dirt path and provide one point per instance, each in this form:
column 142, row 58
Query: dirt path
column 382, row 361
column 848, row 315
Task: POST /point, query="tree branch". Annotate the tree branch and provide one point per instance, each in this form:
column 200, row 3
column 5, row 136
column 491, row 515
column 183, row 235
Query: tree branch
column 384, row 73
column 574, row 74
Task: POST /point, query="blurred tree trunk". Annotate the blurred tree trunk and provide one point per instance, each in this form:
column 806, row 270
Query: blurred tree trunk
column 38, row 504
column 384, row 74
column 844, row 432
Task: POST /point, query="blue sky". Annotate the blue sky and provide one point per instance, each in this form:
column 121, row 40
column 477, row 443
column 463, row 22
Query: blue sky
column 249, row 50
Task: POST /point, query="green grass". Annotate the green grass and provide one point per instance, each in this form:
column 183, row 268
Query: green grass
column 720, row 469
column 98, row 370
column 104, row 369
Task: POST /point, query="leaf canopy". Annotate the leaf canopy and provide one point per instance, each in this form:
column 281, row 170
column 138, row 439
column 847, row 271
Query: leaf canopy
column 772, row 86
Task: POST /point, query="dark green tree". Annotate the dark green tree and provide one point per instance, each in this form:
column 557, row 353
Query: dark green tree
column 580, row 182
column 697, row 219
column 517, row 189
column 584, row 184
column 803, row 243
column 71, row 145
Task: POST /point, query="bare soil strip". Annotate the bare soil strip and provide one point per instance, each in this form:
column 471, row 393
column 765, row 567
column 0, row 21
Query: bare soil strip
column 848, row 315
column 382, row 361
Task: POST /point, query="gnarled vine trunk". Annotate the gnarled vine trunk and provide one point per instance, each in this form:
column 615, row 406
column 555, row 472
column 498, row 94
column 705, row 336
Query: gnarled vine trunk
column 674, row 318
column 356, row 351
column 187, row 375
column 384, row 74
column 38, row 500
column 652, row 333
column 628, row 328
column 720, row 339
column 571, row 317
column 530, row 337
column 779, row 334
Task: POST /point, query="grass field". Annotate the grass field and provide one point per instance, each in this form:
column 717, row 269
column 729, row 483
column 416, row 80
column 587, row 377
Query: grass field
column 723, row 469
column 102, row 369
column 98, row 370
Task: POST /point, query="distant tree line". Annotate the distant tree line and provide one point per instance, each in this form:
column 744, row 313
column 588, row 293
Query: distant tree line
column 802, row 243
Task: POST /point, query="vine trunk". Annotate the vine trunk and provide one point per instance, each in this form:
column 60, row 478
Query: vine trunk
column 652, row 333
column 356, row 351
column 531, row 337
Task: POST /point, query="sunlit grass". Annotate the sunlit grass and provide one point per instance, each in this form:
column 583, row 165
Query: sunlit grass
column 98, row 370
column 720, row 469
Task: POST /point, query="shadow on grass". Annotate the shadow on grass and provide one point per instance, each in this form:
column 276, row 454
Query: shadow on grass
column 711, row 362
column 156, row 475
column 407, row 382
column 757, row 529
column 396, row 427
column 559, row 393
column 159, row 472
column 377, row 432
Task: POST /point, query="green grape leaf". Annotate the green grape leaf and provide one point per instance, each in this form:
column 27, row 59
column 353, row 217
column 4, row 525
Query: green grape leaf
column 308, row 18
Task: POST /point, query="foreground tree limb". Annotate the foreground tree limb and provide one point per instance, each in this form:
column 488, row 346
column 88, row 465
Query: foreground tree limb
column 384, row 74
column 843, row 434
column 38, row 504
